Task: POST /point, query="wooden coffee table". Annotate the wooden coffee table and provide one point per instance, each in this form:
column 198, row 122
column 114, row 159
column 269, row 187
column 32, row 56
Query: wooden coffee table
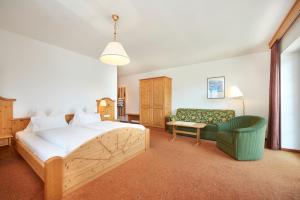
column 187, row 124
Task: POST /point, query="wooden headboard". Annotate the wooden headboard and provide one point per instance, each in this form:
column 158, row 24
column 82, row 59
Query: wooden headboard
column 10, row 125
column 20, row 124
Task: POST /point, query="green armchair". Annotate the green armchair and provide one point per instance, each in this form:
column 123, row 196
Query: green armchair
column 243, row 137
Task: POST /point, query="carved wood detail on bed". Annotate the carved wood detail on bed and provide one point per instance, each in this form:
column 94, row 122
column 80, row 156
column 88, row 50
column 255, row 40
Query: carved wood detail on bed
column 101, row 154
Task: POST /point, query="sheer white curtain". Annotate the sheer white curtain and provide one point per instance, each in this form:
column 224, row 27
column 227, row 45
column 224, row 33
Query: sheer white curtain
column 290, row 88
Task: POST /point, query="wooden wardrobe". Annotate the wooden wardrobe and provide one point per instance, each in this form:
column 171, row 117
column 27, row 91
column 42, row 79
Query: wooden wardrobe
column 155, row 101
column 6, row 118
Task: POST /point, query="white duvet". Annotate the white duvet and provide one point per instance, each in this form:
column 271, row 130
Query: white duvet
column 72, row 137
column 109, row 125
column 68, row 138
column 40, row 147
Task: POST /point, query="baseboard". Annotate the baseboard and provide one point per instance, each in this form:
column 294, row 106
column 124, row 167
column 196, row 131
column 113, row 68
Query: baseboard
column 290, row 150
column 155, row 128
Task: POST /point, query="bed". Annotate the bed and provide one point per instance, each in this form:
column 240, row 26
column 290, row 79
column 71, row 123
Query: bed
column 63, row 171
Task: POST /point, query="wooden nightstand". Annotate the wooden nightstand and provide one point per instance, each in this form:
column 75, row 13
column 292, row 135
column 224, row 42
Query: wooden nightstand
column 6, row 118
column 8, row 137
column 107, row 110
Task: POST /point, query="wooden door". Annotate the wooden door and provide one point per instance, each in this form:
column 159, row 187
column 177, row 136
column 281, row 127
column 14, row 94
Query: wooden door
column 146, row 92
column 121, row 104
column 158, row 93
column 167, row 96
column 158, row 102
column 158, row 118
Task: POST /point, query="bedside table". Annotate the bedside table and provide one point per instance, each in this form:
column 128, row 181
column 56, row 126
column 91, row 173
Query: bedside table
column 8, row 137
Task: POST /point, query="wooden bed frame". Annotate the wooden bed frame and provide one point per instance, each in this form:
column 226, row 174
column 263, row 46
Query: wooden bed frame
column 62, row 175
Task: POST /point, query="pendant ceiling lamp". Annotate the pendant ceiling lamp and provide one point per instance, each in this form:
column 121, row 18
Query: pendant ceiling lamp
column 114, row 53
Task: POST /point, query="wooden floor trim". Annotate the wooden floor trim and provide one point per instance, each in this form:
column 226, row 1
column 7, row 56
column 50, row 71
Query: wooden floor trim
column 290, row 150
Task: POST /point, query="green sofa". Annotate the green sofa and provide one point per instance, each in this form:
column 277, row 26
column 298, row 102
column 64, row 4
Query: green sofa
column 243, row 137
column 212, row 117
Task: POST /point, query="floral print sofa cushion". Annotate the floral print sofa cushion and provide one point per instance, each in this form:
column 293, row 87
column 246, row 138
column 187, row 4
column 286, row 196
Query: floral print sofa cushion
column 208, row 116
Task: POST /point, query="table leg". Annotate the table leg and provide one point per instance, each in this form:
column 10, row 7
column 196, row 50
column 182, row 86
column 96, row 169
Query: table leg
column 9, row 141
column 198, row 136
column 174, row 133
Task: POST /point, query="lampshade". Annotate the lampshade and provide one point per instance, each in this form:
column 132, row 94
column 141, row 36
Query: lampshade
column 103, row 103
column 114, row 54
column 235, row 92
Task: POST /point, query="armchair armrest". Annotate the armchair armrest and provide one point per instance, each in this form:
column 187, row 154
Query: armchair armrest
column 249, row 142
column 244, row 130
column 172, row 118
column 257, row 127
column 224, row 126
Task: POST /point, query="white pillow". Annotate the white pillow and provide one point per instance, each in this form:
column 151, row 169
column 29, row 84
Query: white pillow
column 91, row 118
column 38, row 113
column 48, row 122
column 92, row 114
column 78, row 110
column 56, row 112
column 89, row 110
column 85, row 118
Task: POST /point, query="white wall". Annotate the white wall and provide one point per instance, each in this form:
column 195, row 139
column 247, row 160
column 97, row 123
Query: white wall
column 290, row 100
column 250, row 73
column 45, row 77
column 291, row 35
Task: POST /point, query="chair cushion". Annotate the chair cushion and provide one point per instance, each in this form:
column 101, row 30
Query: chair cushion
column 208, row 116
column 225, row 137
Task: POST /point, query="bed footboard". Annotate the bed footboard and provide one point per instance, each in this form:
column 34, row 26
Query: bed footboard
column 53, row 182
column 102, row 154
column 89, row 161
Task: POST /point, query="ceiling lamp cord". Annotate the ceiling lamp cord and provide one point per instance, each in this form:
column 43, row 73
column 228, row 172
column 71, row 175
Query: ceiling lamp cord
column 115, row 18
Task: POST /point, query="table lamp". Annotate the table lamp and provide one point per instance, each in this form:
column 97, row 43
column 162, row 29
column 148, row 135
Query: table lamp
column 235, row 92
column 103, row 103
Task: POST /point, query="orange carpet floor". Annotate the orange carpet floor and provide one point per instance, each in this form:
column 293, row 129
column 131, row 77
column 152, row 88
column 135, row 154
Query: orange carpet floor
column 170, row 171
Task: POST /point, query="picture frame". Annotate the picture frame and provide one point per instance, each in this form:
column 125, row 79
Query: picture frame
column 216, row 87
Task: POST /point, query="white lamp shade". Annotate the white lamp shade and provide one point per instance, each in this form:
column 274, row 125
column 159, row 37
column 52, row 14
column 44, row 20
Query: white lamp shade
column 235, row 92
column 103, row 103
column 114, row 54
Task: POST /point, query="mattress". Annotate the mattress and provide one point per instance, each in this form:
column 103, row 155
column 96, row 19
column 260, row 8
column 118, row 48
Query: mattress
column 60, row 142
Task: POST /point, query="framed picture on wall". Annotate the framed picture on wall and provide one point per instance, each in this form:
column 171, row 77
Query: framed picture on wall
column 216, row 87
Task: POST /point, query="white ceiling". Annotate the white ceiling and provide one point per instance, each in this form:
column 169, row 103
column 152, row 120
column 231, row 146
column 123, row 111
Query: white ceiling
column 156, row 33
